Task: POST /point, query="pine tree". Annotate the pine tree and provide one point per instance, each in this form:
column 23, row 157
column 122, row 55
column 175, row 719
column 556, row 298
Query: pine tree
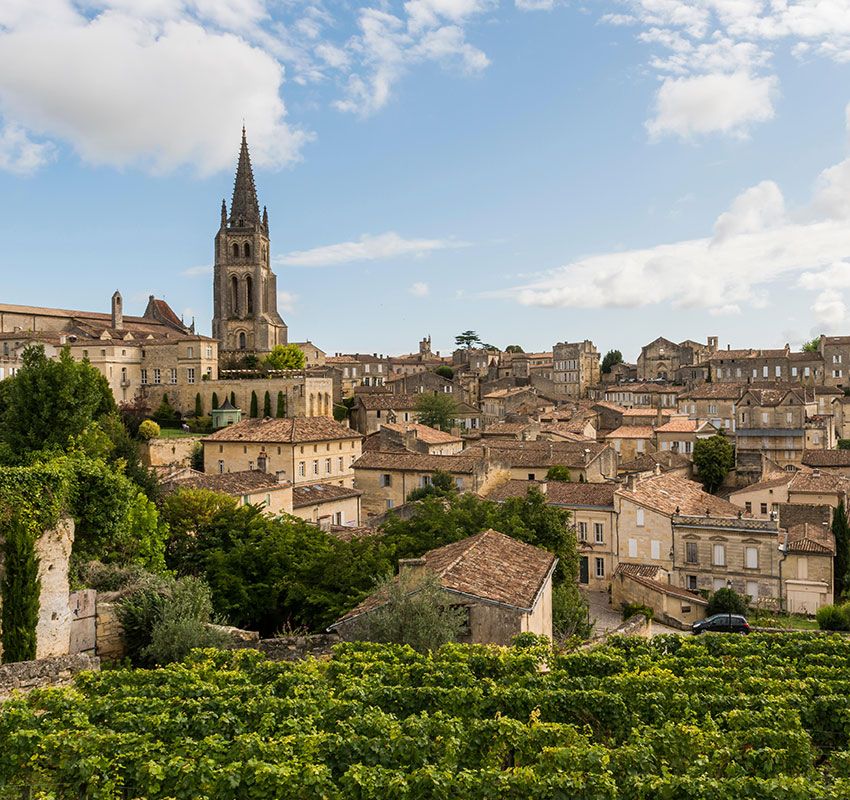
column 281, row 404
column 199, row 405
column 267, row 405
column 255, row 412
column 214, row 401
column 19, row 594
column 233, row 399
column 841, row 531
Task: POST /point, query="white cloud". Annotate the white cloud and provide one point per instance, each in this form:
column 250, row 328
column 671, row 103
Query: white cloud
column 21, row 155
column 420, row 289
column 758, row 208
column 366, row 248
column 712, row 104
column 286, row 301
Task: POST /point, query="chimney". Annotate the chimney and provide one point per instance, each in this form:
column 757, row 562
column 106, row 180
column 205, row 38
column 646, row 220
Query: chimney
column 117, row 312
column 631, row 480
column 412, row 570
column 816, row 473
column 262, row 461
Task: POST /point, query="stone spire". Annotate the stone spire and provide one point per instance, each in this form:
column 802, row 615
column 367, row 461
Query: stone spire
column 266, row 220
column 244, row 206
column 223, row 214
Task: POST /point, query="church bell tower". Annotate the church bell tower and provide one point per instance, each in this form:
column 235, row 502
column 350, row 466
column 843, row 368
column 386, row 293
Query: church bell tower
column 245, row 315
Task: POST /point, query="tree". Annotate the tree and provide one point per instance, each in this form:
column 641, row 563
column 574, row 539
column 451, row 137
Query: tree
column 19, row 593
column 148, row 430
column 281, row 404
column 166, row 415
column 514, row 348
column 441, row 485
column 611, row 359
column 199, row 405
column 841, row 531
column 133, row 413
column 285, row 356
column 254, row 413
column 48, row 401
column 726, row 601
column 467, row 339
column 713, row 458
column 812, row 346
column 436, row 410
column 214, row 401
column 267, row 405
column 417, row 611
column 445, row 372
column 233, row 399
column 559, row 473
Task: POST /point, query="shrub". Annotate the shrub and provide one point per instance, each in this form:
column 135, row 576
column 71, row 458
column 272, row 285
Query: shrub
column 149, row 430
column 200, row 425
column 528, row 640
column 833, row 618
column 196, row 460
column 20, row 592
column 559, row 473
column 630, row 609
column 166, row 415
column 726, row 601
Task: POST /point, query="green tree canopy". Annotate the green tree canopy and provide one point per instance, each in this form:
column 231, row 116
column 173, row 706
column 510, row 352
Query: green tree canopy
column 445, row 372
column 559, row 473
column 841, row 531
column 285, row 356
column 726, row 601
column 436, row 410
column 713, row 458
column 514, row 348
column 48, row 401
column 442, row 485
column 812, row 346
column 267, row 404
column 468, row 339
column 255, row 411
column 610, row 359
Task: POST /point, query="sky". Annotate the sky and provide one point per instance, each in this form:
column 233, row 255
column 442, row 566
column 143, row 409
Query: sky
column 535, row 170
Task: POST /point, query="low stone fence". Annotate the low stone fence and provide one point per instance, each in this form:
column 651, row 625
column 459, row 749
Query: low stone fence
column 55, row 671
column 293, row 648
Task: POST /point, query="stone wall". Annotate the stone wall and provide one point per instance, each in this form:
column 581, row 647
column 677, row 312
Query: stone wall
column 169, row 452
column 83, row 605
column 293, row 648
column 672, row 606
column 56, row 671
column 110, row 644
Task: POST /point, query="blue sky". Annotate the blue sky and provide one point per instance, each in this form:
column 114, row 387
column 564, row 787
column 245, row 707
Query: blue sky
column 536, row 170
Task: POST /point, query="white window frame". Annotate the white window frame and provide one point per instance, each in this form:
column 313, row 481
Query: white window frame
column 640, row 518
column 751, row 557
column 718, row 555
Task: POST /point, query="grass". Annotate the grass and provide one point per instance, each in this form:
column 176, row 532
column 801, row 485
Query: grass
column 177, row 433
column 767, row 619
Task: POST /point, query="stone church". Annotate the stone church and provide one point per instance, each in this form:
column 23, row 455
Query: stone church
column 245, row 315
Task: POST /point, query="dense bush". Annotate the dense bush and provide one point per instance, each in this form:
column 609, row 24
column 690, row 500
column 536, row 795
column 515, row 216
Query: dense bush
column 630, row 609
column 149, row 430
column 833, row 618
column 726, row 601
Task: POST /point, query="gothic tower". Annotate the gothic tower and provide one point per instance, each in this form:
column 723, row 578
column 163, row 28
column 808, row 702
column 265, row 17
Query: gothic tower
column 245, row 316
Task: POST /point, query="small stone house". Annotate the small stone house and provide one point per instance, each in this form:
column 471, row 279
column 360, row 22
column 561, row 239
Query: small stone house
column 505, row 586
column 249, row 487
column 327, row 505
column 808, row 569
column 372, row 410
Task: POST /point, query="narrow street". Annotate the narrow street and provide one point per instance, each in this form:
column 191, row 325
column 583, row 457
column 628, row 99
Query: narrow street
column 606, row 618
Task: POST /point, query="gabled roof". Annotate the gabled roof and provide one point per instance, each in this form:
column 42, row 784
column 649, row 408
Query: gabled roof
column 670, row 494
column 488, row 567
column 715, row 391
column 387, row 402
column 424, row 433
column 232, row 483
column 632, row 432
column 678, row 425
column 665, row 459
column 312, row 494
column 826, row 458
column 809, row 538
column 418, row 462
column 287, row 430
column 818, row 482
column 560, row 493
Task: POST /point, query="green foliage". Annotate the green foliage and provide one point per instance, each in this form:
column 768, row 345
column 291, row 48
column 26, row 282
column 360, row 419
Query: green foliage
column 467, row 339
column 285, row 356
column 200, row 424
column 187, row 512
column 514, row 348
column 841, row 531
column 436, row 410
column 570, row 612
column 610, row 360
column 47, row 402
column 559, row 473
column 416, row 612
column 281, row 405
column 442, row 485
column 20, row 589
column 833, row 618
column 196, row 459
column 844, row 444
column 166, row 415
column 267, row 405
column 630, row 609
column 812, row 346
column 726, row 601
column 233, row 399
column 215, row 404
column 713, row 458
column 199, row 405
column 149, row 430
column 254, row 413
column 445, row 371
column 132, row 413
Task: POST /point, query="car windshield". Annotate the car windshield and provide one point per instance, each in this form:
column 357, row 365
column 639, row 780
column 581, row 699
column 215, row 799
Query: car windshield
column 718, row 618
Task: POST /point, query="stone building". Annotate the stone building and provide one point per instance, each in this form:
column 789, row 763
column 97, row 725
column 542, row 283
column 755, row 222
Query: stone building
column 245, row 315
column 415, row 438
column 327, row 505
column 808, row 568
column 422, row 382
column 504, row 585
column 371, row 410
column 575, row 367
column 592, row 462
column 267, row 490
column 779, row 365
column 663, row 360
column 835, row 353
column 713, row 402
column 642, row 395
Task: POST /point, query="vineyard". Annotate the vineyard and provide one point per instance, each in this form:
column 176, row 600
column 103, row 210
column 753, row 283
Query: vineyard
column 715, row 718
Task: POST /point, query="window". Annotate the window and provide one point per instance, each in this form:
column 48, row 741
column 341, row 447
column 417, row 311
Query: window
column 598, row 533
column 600, row 567
column 639, row 518
column 691, row 582
column 793, row 372
column 316, row 467
column 719, row 555
column 748, row 507
column 341, row 464
column 144, row 377
column 691, row 553
column 386, row 480
column 632, row 548
column 802, row 568
column 157, row 377
column 459, row 483
column 531, row 476
column 764, row 372
column 836, row 359
column 338, row 518
column 582, row 531
column 718, row 583
column 209, row 351
column 247, row 250
column 173, row 377
column 424, row 480
column 753, row 590
column 190, row 352
column 836, row 373
column 765, row 417
column 190, row 375
column 302, row 471
column 327, row 466
column 640, row 446
column 763, row 508
column 712, row 408
column 242, row 341
column 390, row 504
column 777, row 371
column 235, row 250
column 220, row 466
column 751, row 557
column 655, row 550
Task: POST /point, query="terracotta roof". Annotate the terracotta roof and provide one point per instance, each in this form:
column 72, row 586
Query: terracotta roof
column 826, row 458
column 666, row 459
column 500, row 393
column 424, row 433
column 715, row 391
column 770, row 483
column 818, row 482
column 809, row 538
column 312, row 494
column 386, row 401
column 631, row 432
column 640, row 570
column 289, row 430
column 488, row 566
column 377, row 443
column 418, row 462
column 648, row 411
column 678, row 425
column 727, row 354
column 232, row 483
column 668, row 493
column 538, row 453
column 773, row 397
column 569, row 493
column 609, row 406
column 666, row 588
column 501, row 428
column 793, row 514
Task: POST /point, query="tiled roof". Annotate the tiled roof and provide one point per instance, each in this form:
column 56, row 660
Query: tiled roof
column 715, row 391
column 377, row 443
column 506, row 428
column 769, row 483
column 500, row 393
column 678, row 425
column 631, row 432
column 387, row 401
column 570, row 493
column 773, row 397
column 826, row 458
column 809, row 538
column 818, row 482
column 232, row 483
column 727, row 354
column 666, row 459
column 418, row 462
column 519, row 454
column 646, row 412
column 289, row 430
column 488, row 566
column 641, row 570
column 312, row 494
column 793, row 514
column 609, row 406
column 671, row 494
column 424, row 433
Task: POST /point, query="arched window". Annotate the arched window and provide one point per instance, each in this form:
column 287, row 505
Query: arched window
column 249, row 287
column 247, row 250
column 310, row 407
column 242, row 342
column 234, row 296
column 235, row 250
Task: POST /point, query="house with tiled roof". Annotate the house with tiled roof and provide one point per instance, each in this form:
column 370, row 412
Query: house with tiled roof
column 415, row 438
column 714, row 402
column 763, row 498
column 327, row 505
column 650, row 464
column 818, row 488
column 632, row 441
column 373, row 409
column 679, row 434
column 268, row 491
column 829, row 461
column 504, row 585
column 808, row 569
column 664, row 360
column 300, row 449
column 499, row 403
column 424, row 381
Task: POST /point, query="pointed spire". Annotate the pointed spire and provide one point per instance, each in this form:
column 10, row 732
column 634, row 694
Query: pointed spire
column 266, row 220
column 244, row 206
column 223, row 213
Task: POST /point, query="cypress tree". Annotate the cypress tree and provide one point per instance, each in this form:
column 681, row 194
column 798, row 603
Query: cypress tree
column 233, row 399
column 214, row 401
column 254, row 406
column 199, row 405
column 267, row 405
column 19, row 593
column 281, row 404
column 841, row 531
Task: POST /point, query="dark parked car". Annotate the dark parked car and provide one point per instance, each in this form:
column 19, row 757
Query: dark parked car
column 722, row 623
